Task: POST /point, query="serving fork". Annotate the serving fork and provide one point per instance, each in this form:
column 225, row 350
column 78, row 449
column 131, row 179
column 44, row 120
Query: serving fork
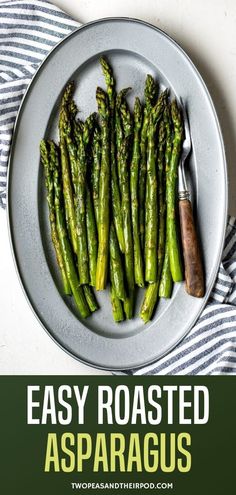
column 194, row 278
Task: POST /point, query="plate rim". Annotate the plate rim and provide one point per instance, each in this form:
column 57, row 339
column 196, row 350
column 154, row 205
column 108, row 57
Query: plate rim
column 10, row 166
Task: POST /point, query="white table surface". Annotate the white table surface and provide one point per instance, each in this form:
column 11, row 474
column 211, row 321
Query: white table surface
column 206, row 29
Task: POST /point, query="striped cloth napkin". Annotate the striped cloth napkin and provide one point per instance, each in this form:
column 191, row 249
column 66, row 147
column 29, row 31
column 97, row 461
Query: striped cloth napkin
column 28, row 31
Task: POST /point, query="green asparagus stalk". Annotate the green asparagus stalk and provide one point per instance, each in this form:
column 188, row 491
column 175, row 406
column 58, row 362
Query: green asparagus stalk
column 149, row 302
column 44, row 152
column 118, row 282
column 172, row 232
column 83, row 132
column 165, row 287
column 75, row 209
column 89, row 127
column 80, row 207
column 90, row 298
column 151, row 294
column 150, row 93
column 127, row 126
column 78, row 168
column 72, row 152
column 161, row 198
column 104, row 196
column 169, row 137
column 65, row 246
column 67, row 95
column 134, row 170
column 115, row 191
column 91, row 237
column 72, row 109
column 109, row 79
column 78, row 129
column 126, row 118
column 117, row 308
column 118, row 126
column 151, row 227
column 67, row 185
column 70, row 144
column 66, row 174
column 116, row 304
column 166, row 283
column 126, row 214
column 95, row 173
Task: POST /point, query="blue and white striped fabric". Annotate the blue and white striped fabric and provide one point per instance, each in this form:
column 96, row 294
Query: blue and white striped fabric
column 28, row 31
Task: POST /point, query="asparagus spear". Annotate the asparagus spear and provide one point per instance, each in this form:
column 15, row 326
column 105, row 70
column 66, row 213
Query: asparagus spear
column 161, row 199
column 118, row 126
column 166, row 283
column 71, row 134
column 151, row 294
column 90, row 298
column 67, row 95
column 116, row 304
column 89, row 127
column 150, row 93
column 78, row 129
column 86, row 227
column 117, row 309
column 70, row 144
column 74, row 139
column 91, row 237
column 78, row 161
column 126, row 214
column 116, row 266
column 151, row 195
column 80, row 207
column 96, row 152
column 126, row 118
column 127, row 125
column 134, row 170
column 52, row 217
column 115, row 191
column 67, row 185
column 172, row 233
column 110, row 80
column 72, row 109
column 65, row 246
column 165, row 287
column 83, row 132
column 104, row 196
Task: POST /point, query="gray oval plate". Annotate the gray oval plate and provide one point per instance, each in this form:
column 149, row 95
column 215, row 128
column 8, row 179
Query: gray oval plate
column 134, row 49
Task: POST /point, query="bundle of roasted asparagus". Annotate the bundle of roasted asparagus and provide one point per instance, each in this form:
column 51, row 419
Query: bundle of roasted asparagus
column 111, row 191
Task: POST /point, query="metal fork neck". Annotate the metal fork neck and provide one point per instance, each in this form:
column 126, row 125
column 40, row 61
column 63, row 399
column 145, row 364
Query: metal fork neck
column 184, row 195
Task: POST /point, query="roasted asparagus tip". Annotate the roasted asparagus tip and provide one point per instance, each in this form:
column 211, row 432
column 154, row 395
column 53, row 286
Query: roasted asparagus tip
column 102, row 102
column 107, row 71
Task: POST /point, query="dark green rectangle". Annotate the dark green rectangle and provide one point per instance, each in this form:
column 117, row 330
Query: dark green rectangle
column 23, row 447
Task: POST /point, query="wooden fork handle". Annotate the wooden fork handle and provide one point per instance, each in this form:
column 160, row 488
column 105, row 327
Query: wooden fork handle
column 194, row 278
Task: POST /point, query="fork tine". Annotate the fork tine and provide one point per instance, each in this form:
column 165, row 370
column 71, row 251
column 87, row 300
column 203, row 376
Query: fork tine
column 187, row 140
